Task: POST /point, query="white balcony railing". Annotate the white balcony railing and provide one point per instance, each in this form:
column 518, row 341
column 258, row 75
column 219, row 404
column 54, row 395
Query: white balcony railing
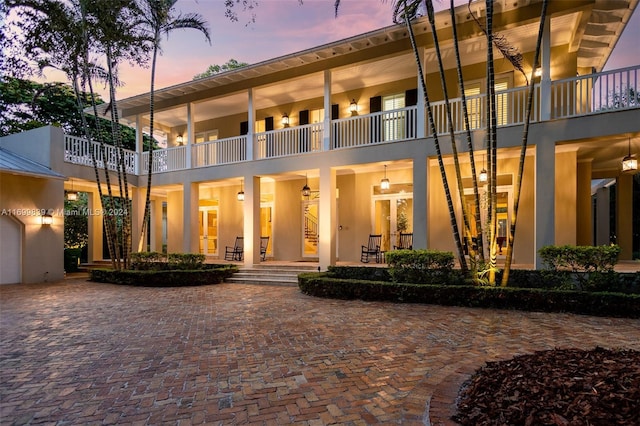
column 289, row 141
column 78, row 151
column 596, row 93
column 572, row 97
column 165, row 160
column 221, row 151
column 386, row 126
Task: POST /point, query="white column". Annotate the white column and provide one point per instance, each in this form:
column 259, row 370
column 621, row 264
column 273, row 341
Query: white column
column 156, row 225
column 137, row 216
column 191, row 136
column 421, row 125
column 545, row 81
column 190, row 201
column 95, row 229
column 326, row 136
column 420, row 219
column 624, row 216
column 139, row 145
column 251, row 220
column 603, row 214
column 327, row 216
column 251, row 119
column 544, row 197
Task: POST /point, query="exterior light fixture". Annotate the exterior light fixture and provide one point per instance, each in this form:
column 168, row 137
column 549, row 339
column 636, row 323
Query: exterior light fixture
column 629, row 162
column 483, row 173
column 384, row 183
column 47, row 219
column 306, row 191
column 353, row 106
column 285, row 120
column 538, row 72
column 72, row 195
column 240, row 195
column 179, row 140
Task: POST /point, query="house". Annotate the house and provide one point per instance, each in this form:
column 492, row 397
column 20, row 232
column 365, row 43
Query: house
column 329, row 145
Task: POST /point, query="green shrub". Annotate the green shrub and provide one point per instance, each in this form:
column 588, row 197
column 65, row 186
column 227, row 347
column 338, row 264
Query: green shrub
column 580, row 258
column 422, row 267
column 359, row 273
column 147, row 261
column 186, row 261
column 211, row 274
column 590, row 267
column 530, row 299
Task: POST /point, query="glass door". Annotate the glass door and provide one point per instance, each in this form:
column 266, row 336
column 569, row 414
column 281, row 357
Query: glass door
column 209, row 230
column 503, row 208
column 392, row 214
column 310, row 228
column 266, row 224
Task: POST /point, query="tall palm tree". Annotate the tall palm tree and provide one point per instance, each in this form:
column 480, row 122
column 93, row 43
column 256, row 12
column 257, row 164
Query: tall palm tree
column 157, row 19
column 523, row 149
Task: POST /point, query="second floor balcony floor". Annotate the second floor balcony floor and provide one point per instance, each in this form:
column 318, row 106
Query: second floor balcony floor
column 381, row 119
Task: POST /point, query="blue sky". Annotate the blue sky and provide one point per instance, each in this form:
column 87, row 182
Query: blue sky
column 282, row 27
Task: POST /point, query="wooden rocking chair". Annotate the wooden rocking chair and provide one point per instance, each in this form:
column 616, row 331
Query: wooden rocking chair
column 405, row 241
column 236, row 252
column 372, row 249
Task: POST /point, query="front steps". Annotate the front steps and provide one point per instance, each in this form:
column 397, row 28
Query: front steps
column 285, row 275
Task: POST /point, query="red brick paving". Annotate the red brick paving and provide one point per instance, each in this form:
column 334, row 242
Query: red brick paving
column 83, row 353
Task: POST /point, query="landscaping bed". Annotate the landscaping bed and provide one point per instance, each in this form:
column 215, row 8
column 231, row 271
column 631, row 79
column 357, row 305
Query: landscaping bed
column 557, row 387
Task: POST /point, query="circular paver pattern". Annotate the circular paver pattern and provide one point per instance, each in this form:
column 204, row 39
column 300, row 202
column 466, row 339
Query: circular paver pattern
column 78, row 352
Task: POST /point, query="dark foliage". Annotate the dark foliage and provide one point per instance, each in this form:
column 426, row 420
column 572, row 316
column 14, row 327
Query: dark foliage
column 558, row 387
column 167, row 278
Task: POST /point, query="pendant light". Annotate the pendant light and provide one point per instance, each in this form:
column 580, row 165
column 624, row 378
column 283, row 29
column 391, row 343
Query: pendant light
column 72, row 195
column 240, row 195
column 384, row 182
column 306, row 191
column 483, row 173
column 629, row 163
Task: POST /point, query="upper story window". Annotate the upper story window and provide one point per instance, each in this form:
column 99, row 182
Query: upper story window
column 475, row 102
column 394, row 123
column 207, row 136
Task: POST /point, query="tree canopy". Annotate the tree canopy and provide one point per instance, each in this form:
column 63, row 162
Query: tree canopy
column 231, row 64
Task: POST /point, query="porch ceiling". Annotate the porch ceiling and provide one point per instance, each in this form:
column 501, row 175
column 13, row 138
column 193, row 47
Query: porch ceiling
column 591, row 28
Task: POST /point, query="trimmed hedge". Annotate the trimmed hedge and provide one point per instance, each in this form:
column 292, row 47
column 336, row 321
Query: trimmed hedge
column 528, row 299
column 164, row 278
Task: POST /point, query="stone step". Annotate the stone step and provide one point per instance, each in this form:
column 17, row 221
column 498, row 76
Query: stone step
column 271, row 275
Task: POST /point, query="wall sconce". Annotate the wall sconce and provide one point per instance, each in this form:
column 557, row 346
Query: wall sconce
column 306, row 191
column 384, row 183
column 285, row 120
column 629, row 163
column 179, row 140
column 353, row 106
column 483, row 173
column 47, row 219
column 240, row 195
column 538, row 72
column 72, row 195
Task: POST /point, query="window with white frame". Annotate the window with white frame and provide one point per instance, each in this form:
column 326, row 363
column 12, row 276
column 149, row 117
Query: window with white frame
column 394, row 121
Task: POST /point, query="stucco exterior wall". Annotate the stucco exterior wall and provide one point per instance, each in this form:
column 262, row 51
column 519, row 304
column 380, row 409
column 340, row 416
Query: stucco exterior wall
column 24, row 197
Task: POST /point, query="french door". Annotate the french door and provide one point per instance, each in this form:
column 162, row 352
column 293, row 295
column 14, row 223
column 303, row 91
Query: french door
column 391, row 215
column 209, row 230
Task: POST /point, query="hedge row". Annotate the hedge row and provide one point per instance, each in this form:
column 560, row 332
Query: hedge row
column 528, row 299
column 169, row 278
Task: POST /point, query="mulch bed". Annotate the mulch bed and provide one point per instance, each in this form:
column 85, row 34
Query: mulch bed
column 557, row 387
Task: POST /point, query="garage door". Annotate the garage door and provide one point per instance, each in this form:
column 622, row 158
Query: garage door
column 10, row 251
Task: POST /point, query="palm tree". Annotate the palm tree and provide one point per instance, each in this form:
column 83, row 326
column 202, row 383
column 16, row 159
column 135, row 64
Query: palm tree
column 157, row 19
column 523, row 149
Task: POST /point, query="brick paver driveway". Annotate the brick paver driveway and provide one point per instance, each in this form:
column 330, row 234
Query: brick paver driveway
column 85, row 353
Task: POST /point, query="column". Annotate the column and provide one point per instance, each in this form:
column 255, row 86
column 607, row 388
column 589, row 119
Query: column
column 191, row 135
column 156, row 225
column 326, row 134
column 421, row 125
column 420, row 219
column 251, row 220
column 603, row 213
column 583, row 205
column 251, row 119
column 624, row 216
column 545, row 81
column 544, row 196
column 190, row 202
column 95, row 229
column 139, row 145
column 328, row 219
column 137, row 217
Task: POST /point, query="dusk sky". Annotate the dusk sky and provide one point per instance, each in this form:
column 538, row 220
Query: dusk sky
column 282, row 27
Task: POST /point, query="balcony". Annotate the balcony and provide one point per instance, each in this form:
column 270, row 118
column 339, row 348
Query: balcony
column 573, row 97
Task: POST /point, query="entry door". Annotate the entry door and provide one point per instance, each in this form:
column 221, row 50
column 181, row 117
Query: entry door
column 209, row 230
column 310, row 228
column 504, row 207
column 266, row 225
column 392, row 215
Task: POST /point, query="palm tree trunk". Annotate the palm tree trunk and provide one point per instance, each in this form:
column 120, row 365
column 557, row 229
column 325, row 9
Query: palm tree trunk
column 492, row 143
column 432, row 126
column 523, row 149
column 465, row 114
column 452, row 135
